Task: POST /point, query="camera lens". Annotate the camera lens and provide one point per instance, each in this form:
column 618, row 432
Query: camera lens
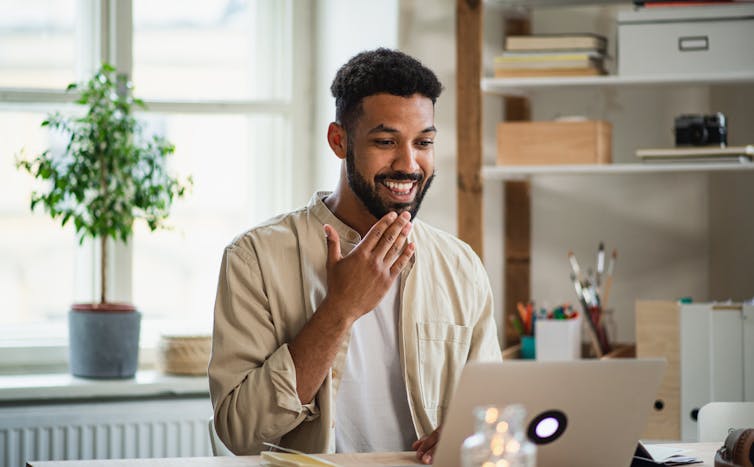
column 698, row 135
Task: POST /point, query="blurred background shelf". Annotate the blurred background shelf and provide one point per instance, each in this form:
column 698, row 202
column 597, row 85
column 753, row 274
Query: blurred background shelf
column 522, row 86
column 522, row 172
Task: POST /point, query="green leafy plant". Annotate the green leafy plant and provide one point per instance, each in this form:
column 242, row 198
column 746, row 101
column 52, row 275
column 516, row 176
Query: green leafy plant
column 110, row 173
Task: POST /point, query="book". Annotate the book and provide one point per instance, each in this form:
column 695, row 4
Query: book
column 551, row 64
column 290, row 459
column 657, row 454
column 700, row 154
column 556, row 42
column 542, row 55
column 538, row 73
column 673, row 3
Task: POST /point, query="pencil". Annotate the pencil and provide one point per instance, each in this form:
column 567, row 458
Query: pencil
column 609, row 280
column 600, row 265
column 524, row 316
column 516, row 324
column 574, row 265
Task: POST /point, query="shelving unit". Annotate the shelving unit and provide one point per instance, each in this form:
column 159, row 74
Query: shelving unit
column 472, row 173
column 524, row 86
column 524, row 172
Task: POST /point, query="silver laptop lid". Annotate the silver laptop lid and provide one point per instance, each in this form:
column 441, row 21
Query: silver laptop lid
column 602, row 407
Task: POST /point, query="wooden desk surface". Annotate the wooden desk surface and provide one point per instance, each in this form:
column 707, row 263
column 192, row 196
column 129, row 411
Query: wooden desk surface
column 705, row 451
column 346, row 460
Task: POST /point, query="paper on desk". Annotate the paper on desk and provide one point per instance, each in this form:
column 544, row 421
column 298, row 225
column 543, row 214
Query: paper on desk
column 287, row 459
column 669, row 455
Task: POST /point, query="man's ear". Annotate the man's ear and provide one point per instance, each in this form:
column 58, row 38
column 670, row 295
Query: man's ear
column 337, row 139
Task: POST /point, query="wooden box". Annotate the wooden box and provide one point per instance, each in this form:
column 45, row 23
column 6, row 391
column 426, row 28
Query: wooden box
column 657, row 335
column 554, row 142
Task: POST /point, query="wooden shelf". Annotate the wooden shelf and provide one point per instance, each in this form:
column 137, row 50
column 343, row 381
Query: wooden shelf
column 523, row 86
column 522, row 172
column 513, row 4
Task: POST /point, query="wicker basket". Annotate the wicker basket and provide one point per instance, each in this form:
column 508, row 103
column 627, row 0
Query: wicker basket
column 184, row 355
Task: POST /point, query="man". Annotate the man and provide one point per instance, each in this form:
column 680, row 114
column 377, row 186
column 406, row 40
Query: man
column 344, row 326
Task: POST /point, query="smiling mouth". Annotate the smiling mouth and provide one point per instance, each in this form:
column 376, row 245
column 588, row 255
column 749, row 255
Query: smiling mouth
column 399, row 188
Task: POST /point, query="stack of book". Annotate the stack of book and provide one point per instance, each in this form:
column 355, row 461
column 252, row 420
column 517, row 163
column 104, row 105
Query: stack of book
column 552, row 55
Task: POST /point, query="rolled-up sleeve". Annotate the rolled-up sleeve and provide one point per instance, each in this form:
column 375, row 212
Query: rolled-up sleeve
column 251, row 373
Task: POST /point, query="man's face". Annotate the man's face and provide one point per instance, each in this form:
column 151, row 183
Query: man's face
column 390, row 153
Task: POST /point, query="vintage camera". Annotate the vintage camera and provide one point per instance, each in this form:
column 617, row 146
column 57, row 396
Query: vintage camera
column 701, row 130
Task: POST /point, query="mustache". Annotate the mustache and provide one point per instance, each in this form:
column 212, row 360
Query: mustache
column 399, row 176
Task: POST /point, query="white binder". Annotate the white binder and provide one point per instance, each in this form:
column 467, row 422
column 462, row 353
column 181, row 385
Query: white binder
column 712, row 359
column 748, row 353
column 695, row 365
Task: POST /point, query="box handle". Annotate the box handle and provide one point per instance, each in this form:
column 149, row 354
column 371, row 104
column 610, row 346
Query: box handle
column 693, row 43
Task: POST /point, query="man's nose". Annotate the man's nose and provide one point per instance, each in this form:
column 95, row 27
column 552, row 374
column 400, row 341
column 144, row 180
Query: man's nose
column 405, row 159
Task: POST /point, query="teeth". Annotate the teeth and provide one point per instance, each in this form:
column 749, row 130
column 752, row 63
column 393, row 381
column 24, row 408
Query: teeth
column 402, row 188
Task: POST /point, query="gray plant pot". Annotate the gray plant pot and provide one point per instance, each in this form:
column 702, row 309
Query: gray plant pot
column 103, row 344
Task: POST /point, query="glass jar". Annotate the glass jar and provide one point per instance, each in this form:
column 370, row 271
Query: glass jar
column 500, row 439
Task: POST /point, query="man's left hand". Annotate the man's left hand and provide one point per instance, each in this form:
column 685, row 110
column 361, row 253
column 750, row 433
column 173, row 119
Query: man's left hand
column 425, row 446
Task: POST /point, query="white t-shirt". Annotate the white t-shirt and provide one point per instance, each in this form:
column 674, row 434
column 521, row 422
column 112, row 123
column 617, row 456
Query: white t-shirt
column 372, row 412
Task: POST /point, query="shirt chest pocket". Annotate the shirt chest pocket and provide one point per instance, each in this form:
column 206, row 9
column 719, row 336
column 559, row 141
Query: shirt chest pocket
column 443, row 351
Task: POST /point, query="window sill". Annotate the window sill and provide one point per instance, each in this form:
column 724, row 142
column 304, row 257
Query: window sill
column 60, row 387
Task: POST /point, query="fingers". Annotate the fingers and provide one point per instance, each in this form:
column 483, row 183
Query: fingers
column 391, row 236
column 333, row 245
column 403, row 260
column 395, row 251
column 377, row 231
column 425, row 449
column 415, row 445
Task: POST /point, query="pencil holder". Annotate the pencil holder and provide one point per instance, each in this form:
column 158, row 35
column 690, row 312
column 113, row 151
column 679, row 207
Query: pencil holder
column 611, row 327
column 558, row 339
column 528, row 347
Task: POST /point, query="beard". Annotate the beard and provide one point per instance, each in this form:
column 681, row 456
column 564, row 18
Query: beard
column 368, row 193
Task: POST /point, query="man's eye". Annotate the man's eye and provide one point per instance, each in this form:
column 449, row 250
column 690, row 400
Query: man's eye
column 426, row 143
column 383, row 142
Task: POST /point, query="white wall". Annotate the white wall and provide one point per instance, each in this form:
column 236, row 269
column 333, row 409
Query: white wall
column 731, row 204
column 660, row 223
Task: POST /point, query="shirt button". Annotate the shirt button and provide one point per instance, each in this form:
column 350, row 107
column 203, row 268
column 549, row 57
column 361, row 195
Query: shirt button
column 335, row 373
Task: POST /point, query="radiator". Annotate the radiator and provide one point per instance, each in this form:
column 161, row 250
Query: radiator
column 104, row 430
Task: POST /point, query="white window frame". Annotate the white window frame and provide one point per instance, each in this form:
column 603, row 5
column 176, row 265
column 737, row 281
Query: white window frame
column 110, row 36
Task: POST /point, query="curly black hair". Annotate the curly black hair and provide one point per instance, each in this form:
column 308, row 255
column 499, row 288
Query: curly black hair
column 379, row 71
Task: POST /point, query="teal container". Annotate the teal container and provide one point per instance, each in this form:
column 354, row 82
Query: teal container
column 528, row 348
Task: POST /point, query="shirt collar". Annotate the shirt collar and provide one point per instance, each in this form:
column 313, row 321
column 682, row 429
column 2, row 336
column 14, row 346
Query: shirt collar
column 320, row 210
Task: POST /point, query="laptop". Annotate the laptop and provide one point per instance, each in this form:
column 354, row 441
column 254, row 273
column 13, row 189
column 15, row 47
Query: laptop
column 593, row 411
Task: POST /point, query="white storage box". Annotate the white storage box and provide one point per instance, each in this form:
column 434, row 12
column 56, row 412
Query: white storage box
column 697, row 39
column 558, row 339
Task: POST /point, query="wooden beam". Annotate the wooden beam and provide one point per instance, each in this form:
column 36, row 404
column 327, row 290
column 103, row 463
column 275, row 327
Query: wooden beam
column 517, row 286
column 469, row 122
column 517, row 212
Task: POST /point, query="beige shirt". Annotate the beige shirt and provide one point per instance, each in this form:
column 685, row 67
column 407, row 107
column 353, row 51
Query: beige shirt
column 273, row 278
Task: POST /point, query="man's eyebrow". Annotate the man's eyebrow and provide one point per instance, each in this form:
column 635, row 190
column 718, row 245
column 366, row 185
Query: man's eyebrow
column 381, row 128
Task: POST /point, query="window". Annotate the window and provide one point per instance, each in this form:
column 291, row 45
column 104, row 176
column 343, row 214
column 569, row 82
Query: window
column 39, row 43
column 218, row 82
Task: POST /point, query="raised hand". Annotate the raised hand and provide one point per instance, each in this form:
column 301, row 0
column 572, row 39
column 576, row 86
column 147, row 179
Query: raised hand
column 357, row 282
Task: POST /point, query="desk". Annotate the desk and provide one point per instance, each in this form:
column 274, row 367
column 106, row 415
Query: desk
column 346, row 460
column 705, row 451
